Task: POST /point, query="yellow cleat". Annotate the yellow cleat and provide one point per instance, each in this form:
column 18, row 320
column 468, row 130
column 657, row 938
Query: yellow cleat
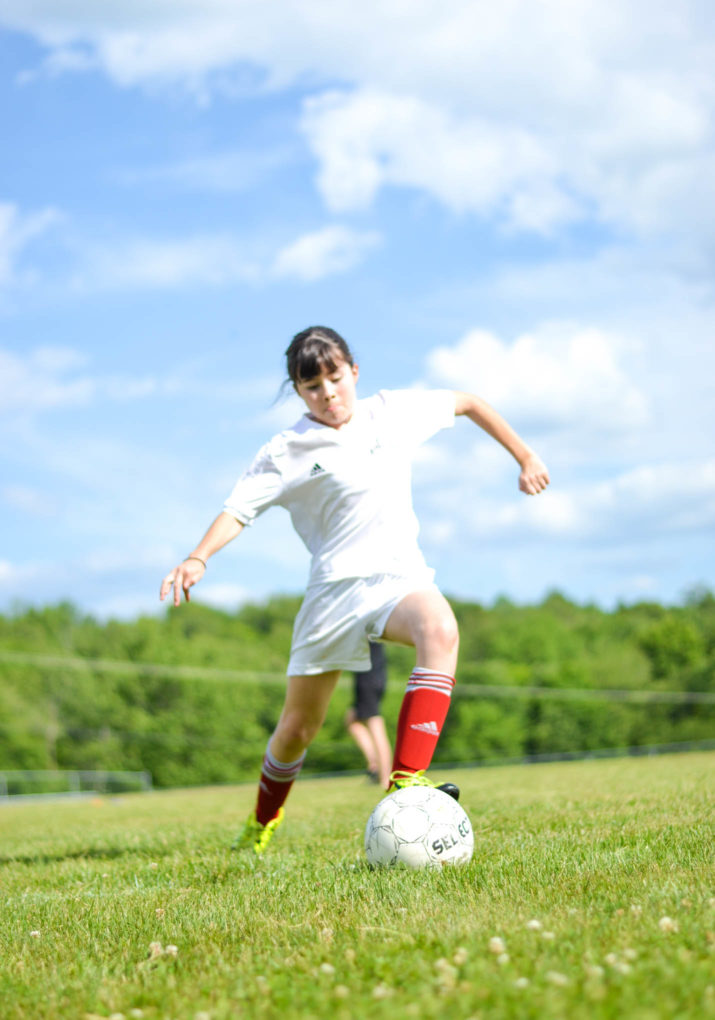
column 254, row 836
column 399, row 780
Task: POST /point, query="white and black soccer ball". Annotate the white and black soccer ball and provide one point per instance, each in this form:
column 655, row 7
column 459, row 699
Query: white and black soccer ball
column 420, row 827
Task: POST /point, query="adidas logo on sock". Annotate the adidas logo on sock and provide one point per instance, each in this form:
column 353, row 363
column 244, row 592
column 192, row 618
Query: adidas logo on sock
column 316, row 470
column 426, row 727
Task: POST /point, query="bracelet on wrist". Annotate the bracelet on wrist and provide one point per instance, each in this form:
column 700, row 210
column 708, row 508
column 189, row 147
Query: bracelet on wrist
column 203, row 564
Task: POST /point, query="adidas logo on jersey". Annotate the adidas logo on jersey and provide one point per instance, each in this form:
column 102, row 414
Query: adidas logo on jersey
column 316, row 470
column 426, row 727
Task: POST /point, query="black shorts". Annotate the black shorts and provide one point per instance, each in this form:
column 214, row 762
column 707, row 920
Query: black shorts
column 370, row 685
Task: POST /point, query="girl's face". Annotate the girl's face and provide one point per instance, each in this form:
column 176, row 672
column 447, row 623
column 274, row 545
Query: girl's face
column 330, row 397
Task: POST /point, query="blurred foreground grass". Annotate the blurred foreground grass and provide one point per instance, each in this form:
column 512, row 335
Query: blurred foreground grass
column 590, row 895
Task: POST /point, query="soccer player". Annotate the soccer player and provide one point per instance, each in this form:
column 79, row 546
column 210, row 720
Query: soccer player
column 343, row 472
column 363, row 720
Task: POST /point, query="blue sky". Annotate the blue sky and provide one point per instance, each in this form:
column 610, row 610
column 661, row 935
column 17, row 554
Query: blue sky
column 513, row 199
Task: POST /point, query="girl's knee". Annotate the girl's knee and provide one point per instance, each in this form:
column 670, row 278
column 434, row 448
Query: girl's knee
column 441, row 632
column 296, row 730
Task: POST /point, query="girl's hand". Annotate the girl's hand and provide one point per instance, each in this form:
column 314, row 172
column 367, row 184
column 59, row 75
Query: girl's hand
column 534, row 475
column 182, row 578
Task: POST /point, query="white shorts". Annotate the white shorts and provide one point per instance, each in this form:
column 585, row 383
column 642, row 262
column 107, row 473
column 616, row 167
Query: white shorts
column 338, row 619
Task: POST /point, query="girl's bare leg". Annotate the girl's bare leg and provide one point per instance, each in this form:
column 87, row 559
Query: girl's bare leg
column 306, row 703
column 304, row 710
column 424, row 619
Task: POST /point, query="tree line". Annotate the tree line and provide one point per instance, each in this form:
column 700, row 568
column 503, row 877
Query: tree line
column 557, row 677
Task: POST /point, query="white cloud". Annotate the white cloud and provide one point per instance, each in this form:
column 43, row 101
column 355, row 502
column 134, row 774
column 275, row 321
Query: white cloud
column 334, row 249
column 156, row 264
column 214, row 260
column 49, row 378
column 558, row 376
column 222, row 596
column 126, row 606
column 645, row 163
column 28, row 500
column 41, row 380
column 638, row 504
column 654, row 499
column 17, row 231
column 536, row 115
column 60, row 378
column 368, row 139
column 111, row 561
column 13, row 575
column 135, row 602
column 220, row 172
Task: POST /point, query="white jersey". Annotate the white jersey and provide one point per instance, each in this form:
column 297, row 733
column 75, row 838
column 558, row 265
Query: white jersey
column 348, row 490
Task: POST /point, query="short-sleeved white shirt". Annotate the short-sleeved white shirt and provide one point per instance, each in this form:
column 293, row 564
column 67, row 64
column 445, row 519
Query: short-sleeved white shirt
column 348, row 490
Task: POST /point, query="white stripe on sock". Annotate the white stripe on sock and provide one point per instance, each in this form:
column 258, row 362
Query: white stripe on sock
column 279, row 771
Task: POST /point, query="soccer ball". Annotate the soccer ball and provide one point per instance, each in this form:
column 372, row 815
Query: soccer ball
column 420, row 827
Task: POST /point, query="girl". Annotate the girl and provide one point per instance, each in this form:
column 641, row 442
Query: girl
column 343, row 473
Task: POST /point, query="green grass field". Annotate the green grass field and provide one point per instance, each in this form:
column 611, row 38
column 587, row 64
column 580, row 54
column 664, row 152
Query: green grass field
column 590, row 894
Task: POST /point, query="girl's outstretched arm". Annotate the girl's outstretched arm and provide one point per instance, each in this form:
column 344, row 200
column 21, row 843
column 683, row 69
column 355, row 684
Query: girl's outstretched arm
column 192, row 569
column 534, row 475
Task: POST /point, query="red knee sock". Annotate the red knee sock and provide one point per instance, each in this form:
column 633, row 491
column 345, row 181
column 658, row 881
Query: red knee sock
column 424, row 709
column 276, row 780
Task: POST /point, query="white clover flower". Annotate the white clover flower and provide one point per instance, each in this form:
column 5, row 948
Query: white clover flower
column 327, row 968
column 382, row 992
column 548, row 936
column 611, row 959
column 341, row 992
column 172, row 951
column 630, row 954
column 496, row 945
column 521, row 982
column 159, row 911
column 153, row 866
column 460, row 956
column 326, row 934
column 203, row 1015
column 534, row 925
column 636, row 909
column 447, row 973
column 667, row 924
column 502, row 959
column 622, row 967
column 155, row 950
column 594, row 971
column 554, row 977
column 138, row 1014
column 448, row 978
column 34, row 934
